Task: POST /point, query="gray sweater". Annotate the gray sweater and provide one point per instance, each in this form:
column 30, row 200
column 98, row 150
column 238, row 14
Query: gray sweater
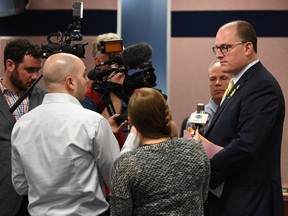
column 167, row 178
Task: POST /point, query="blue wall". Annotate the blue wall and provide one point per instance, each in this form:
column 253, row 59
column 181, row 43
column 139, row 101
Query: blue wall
column 146, row 21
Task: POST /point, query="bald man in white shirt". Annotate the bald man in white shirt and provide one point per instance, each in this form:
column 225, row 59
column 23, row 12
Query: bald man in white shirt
column 62, row 153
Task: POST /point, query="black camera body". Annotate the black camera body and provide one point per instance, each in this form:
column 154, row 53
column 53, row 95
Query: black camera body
column 133, row 60
column 65, row 41
column 67, row 46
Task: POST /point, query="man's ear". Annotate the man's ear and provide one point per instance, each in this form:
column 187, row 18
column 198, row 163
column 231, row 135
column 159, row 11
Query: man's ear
column 70, row 82
column 10, row 65
column 249, row 48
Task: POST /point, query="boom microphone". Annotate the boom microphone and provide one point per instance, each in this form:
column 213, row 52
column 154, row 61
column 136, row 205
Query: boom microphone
column 137, row 56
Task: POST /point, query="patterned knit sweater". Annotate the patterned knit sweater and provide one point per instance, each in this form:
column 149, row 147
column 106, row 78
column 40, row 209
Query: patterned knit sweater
column 167, row 178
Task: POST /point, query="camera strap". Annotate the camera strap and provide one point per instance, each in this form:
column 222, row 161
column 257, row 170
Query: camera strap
column 109, row 104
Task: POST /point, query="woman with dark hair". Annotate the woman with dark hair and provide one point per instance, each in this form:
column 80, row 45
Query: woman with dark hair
column 165, row 175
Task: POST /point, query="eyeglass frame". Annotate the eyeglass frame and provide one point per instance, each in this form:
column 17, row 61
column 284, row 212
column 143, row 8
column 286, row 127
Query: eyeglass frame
column 226, row 47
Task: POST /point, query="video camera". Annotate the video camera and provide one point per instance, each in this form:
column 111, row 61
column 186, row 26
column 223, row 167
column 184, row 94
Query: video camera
column 132, row 59
column 134, row 62
column 65, row 40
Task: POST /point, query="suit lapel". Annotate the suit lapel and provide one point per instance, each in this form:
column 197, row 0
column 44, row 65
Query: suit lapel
column 4, row 111
column 35, row 98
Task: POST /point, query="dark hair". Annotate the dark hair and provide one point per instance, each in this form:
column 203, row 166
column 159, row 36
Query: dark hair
column 16, row 50
column 148, row 111
column 246, row 32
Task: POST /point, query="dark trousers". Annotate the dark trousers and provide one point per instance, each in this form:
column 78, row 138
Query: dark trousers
column 23, row 211
column 105, row 214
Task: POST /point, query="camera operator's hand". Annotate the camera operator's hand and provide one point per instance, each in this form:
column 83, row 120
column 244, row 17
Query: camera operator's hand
column 117, row 77
column 115, row 127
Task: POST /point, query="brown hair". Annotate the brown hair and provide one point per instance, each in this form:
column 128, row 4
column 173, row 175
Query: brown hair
column 246, row 32
column 17, row 48
column 148, row 111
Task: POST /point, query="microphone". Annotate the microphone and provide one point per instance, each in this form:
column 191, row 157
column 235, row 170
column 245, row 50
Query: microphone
column 137, row 56
column 199, row 118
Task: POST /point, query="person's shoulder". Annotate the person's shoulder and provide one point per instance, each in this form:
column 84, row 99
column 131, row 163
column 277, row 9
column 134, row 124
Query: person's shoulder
column 126, row 158
column 262, row 78
column 40, row 90
column 186, row 143
column 92, row 114
column 182, row 140
column 31, row 115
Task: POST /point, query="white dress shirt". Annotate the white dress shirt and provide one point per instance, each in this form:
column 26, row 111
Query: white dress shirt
column 132, row 142
column 62, row 154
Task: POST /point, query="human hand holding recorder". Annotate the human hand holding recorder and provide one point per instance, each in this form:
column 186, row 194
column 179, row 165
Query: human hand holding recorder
column 198, row 119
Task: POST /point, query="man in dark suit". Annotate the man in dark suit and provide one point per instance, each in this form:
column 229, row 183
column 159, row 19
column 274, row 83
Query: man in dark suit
column 22, row 61
column 249, row 125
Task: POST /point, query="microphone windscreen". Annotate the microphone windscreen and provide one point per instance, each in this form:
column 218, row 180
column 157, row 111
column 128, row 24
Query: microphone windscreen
column 136, row 54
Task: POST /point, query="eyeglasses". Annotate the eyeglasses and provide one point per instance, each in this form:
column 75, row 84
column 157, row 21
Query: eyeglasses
column 225, row 47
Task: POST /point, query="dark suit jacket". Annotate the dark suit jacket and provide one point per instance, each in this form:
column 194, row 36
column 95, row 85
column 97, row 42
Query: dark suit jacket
column 10, row 201
column 249, row 126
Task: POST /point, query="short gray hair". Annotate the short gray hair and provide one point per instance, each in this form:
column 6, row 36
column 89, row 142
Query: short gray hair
column 100, row 38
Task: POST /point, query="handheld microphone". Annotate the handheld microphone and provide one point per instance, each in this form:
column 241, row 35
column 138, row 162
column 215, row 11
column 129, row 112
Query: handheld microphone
column 137, row 56
column 199, row 118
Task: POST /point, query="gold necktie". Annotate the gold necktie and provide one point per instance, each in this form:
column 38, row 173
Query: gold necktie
column 230, row 85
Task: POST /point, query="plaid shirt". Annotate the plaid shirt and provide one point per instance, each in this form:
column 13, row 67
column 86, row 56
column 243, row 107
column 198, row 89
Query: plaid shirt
column 11, row 98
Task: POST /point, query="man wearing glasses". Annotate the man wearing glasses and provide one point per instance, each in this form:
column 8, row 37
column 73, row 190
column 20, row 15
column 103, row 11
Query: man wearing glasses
column 249, row 125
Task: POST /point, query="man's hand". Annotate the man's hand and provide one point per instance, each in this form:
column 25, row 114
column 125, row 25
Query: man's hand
column 115, row 127
column 195, row 134
column 116, row 78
